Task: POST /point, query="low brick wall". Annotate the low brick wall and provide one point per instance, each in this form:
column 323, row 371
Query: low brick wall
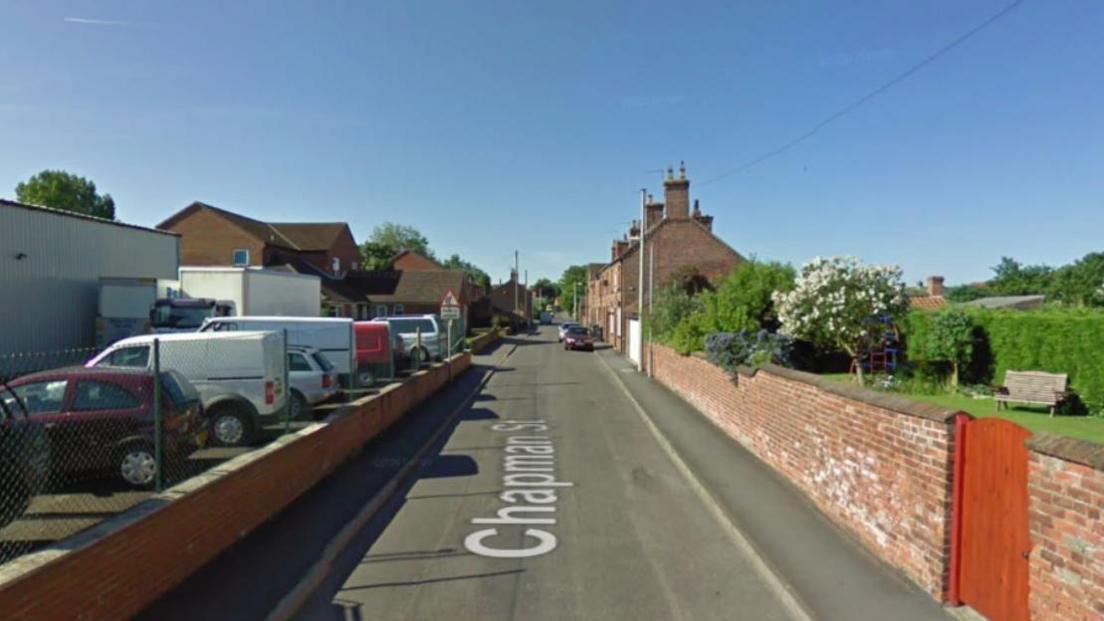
column 1066, row 499
column 117, row 568
column 483, row 341
column 879, row 465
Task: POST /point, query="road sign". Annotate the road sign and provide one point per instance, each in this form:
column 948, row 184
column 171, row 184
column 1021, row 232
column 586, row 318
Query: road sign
column 450, row 306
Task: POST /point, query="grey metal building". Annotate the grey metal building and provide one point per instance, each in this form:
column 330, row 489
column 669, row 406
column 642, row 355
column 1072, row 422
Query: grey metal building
column 50, row 265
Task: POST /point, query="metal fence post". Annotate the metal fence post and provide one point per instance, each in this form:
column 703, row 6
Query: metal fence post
column 287, row 386
column 157, row 415
column 417, row 348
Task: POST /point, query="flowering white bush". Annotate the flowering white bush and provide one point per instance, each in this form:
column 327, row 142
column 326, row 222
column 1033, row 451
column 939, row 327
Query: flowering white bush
column 837, row 302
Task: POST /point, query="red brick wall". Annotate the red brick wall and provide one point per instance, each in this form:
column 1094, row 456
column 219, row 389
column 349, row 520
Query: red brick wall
column 878, row 465
column 208, row 239
column 1066, row 498
column 166, row 539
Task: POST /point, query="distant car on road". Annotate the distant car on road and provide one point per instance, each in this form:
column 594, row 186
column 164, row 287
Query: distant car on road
column 546, row 318
column 565, row 326
column 101, row 420
column 312, row 379
column 577, row 337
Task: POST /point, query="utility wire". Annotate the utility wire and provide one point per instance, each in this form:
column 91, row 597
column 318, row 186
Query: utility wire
column 871, row 95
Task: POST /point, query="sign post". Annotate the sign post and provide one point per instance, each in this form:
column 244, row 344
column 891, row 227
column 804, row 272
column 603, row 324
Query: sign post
column 450, row 311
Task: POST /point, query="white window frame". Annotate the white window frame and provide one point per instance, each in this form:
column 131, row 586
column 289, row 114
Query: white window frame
column 381, row 310
column 234, row 257
column 335, row 265
column 399, row 308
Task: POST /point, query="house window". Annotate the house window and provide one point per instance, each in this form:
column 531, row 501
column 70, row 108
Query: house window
column 335, row 265
column 241, row 256
column 381, row 310
column 399, row 309
column 362, row 311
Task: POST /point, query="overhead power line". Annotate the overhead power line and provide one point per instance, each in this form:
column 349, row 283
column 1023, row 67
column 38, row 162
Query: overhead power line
column 851, row 107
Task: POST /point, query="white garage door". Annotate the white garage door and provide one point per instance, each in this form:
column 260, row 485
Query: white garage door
column 634, row 341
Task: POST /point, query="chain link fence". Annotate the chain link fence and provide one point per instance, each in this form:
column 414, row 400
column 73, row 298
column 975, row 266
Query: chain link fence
column 86, row 434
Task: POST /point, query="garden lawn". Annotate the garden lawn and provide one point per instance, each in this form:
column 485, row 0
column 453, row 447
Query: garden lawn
column 1089, row 428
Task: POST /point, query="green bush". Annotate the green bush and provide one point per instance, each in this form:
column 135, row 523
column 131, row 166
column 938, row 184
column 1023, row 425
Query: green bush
column 1055, row 340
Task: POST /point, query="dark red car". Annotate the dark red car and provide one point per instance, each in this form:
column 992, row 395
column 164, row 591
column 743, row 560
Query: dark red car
column 101, row 419
column 577, row 337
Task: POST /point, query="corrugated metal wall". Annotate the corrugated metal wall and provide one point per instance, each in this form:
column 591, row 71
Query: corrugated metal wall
column 50, row 265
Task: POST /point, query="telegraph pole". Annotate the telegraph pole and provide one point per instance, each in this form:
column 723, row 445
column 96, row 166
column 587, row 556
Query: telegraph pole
column 640, row 262
column 528, row 296
column 515, row 281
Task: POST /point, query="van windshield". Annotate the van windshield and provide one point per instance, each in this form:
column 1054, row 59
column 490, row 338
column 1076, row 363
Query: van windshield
column 410, row 326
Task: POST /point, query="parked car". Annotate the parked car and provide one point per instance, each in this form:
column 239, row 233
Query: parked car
column 546, row 318
column 102, row 419
column 432, row 335
column 379, row 351
column 312, row 380
column 239, row 375
column 333, row 336
column 577, row 337
column 24, row 457
column 564, row 327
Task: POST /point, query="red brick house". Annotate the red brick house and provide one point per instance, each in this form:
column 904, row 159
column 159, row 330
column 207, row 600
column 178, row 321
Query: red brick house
column 413, row 261
column 213, row 236
column 682, row 242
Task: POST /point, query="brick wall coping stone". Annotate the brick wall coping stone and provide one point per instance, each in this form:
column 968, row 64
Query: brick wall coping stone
column 1078, row 451
column 876, row 398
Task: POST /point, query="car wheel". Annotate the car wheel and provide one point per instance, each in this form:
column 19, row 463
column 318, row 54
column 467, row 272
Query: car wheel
column 299, row 406
column 137, row 464
column 230, row 426
column 423, row 356
column 365, row 379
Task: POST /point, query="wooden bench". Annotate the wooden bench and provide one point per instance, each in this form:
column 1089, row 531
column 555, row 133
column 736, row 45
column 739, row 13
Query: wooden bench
column 1034, row 387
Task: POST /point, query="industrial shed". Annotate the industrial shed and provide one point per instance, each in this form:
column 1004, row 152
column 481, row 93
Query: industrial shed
column 51, row 262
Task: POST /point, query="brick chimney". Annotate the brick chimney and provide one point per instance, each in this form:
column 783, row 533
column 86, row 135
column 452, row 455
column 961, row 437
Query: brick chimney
column 634, row 229
column 653, row 213
column 676, row 194
column 619, row 248
column 935, row 285
column 706, row 221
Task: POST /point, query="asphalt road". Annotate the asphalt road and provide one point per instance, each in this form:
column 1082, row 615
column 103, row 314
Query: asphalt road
column 610, row 529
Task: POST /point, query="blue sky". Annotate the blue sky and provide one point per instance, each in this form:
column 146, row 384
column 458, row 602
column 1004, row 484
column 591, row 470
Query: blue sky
column 491, row 126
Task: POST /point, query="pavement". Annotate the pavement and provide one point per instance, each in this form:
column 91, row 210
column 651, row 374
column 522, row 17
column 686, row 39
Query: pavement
column 568, row 486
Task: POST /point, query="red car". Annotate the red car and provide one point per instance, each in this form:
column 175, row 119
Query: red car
column 101, row 419
column 577, row 337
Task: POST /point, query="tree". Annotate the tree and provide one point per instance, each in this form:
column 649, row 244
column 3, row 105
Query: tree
column 1081, row 282
column 481, row 278
column 572, row 275
column 839, row 303
column 1012, row 278
column 389, row 239
column 547, row 289
column 63, row 190
column 951, row 339
column 672, row 305
column 743, row 301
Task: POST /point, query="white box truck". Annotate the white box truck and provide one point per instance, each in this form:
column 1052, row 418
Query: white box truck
column 255, row 291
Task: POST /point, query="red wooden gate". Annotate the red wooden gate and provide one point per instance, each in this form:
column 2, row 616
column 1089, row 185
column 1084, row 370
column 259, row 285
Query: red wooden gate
column 993, row 541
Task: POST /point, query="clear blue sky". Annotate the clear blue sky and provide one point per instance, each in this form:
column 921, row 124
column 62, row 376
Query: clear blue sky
column 491, row 126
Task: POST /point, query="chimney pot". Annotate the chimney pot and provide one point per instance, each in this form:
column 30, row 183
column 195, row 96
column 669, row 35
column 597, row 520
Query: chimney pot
column 682, row 170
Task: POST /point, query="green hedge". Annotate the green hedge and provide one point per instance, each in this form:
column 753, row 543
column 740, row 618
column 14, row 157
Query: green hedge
column 1056, row 340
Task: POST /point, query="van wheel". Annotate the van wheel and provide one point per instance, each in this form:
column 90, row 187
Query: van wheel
column 231, row 426
column 299, row 406
column 137, row 464
column 365, row 379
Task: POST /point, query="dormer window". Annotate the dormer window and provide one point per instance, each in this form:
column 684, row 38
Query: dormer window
column 241, row 256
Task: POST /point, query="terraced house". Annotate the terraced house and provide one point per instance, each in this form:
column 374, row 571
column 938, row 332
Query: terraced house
column 679, row 243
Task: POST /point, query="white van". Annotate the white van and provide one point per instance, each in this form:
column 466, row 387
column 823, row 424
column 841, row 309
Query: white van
column 333, row 336
column 432, row 331
column 239, row 375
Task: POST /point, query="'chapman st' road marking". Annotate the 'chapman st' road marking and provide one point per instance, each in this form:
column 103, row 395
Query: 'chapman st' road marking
column 530, row 487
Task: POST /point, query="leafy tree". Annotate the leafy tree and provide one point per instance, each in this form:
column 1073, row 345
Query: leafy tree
column 481, row 278
column 672, row 305
column 837, row 303
column 63, row 190
column 1010, row 277
column 546, row 289
column 1080, row 283
column 572, row 275
column 967, row 293
column 387, row 240
column 743, row 299
column 950, row 338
